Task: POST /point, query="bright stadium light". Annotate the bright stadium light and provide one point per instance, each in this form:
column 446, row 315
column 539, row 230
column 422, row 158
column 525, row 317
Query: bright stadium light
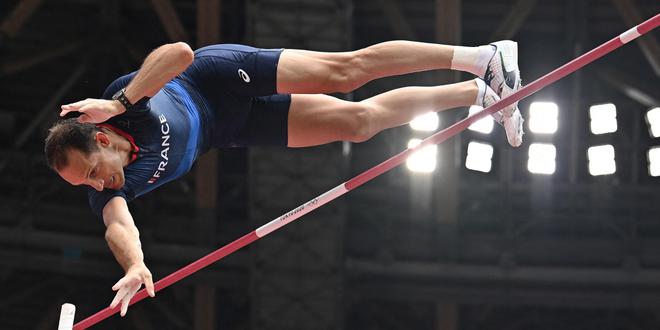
column 601, row 160
column 542, row 158
column 426, row 122
column 603, row 118
column 422, row 160
column 653, row 119
column 483, row 125
column 654, row 161
column 543, row 117
column 479, row 157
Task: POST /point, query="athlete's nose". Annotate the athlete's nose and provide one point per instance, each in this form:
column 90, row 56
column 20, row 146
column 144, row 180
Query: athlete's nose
column 98, row 185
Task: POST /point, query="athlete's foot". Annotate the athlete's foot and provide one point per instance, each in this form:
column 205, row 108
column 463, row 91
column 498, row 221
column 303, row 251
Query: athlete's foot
column 502, row 73
column 513, row 124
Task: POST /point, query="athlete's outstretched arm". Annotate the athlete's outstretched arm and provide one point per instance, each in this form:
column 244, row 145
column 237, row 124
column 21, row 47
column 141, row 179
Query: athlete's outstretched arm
column 161, row 66
column 123, row 238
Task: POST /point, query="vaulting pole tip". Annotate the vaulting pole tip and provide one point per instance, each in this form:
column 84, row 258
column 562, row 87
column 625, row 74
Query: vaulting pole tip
column 66, row 317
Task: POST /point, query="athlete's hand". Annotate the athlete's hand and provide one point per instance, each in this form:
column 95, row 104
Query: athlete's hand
column 94, row 110
column 128, row 285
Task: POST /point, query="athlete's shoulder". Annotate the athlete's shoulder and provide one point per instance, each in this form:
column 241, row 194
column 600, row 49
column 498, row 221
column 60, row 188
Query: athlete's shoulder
column 98, row 199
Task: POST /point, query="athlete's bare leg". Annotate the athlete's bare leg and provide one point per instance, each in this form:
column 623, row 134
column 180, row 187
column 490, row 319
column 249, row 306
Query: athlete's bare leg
column 309, row 72
column 319, row 119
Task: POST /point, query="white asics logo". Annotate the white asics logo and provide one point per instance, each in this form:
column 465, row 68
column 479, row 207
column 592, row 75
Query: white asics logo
column 243, row 75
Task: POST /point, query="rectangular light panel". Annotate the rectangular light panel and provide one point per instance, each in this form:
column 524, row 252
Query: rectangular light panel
column 603, row 118
column 483, row 125
column 654, row 161
column 423, row 160
column 653, row 120
column 542, row 158
column 479, row 157
column 601, row 160
column 427, row 122
column 543, row 117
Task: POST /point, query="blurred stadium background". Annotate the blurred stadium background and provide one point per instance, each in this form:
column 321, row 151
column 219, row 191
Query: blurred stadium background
column 562, row 233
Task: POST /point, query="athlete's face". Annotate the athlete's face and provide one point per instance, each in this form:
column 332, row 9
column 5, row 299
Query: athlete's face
column 100, row 169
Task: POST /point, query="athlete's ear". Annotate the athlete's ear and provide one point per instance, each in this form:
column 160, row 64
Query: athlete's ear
column 102, row 138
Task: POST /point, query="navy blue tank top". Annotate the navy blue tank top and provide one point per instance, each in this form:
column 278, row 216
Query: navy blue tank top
column 168, row 132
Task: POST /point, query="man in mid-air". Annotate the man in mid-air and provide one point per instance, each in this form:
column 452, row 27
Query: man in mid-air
column 151, row 125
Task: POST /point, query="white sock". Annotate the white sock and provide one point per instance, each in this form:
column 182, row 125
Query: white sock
column 472, row 59
column 480, row 99
column 482, row 91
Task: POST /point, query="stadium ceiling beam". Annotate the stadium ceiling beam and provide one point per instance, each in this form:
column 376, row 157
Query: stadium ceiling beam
column 514, row 20
column 446, row 200
column 628, row 85
column 648, row 43
column 91, row 244
column 109, row 269
column 576, row 35
column 206, row 177
column 170, row 20
column 607, row 278
column 506, row 294
column 398, row 22
column 448, row 23
column 11, row 67
column 27, row 292
column 15, row 21
column 208, row 22
column 490, row 247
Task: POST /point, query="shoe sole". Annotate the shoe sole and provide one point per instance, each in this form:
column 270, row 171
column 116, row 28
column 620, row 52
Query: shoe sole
column 518, row 141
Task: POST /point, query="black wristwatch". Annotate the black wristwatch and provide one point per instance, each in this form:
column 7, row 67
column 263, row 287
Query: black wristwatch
column 121, row 97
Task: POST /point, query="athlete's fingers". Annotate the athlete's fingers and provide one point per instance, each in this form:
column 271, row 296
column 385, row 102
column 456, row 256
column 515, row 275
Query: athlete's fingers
column 76, row 105
column 127, row 298
column 149, row 285
column 64, row 112
column 119, row 284
column 124, row 306
column 66, row 108
column 118, row 297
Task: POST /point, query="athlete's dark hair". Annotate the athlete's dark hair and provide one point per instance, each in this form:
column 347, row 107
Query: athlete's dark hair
column 66, row 134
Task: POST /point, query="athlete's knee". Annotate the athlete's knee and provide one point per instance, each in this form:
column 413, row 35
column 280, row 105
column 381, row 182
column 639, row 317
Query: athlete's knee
column 361, row 125
column 347, row 72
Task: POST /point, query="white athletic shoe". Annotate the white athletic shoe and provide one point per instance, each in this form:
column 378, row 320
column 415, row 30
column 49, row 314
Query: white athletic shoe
column 513, row 124
column 502, row 73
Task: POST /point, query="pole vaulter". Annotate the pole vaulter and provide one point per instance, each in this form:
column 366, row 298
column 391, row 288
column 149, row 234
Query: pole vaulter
column 68, row 310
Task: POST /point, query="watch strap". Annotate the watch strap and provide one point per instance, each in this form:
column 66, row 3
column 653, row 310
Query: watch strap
column 121, row 97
